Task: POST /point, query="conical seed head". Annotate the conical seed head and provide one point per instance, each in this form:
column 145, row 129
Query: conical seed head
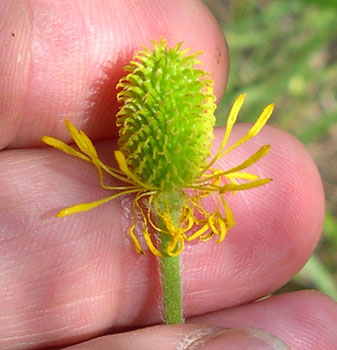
column 167, row 117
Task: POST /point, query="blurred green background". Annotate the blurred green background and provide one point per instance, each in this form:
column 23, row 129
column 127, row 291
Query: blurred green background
column 286, row 52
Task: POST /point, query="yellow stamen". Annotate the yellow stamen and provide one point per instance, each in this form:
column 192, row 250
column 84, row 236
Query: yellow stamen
column 150, row 244
column 172, row 249
column 247, row 163
column 88, row 206
column 233, row 114
column 223, row 230
column 240, row 187
column 255, row 129
column 243, row 176
column 51, row 141
column 124, row 168
column 198, row 233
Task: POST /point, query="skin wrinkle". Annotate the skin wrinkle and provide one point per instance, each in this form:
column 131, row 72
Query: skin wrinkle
column 29, row 66
column 162, row 14
column 36, row 283
column 100, row 75
column 51, row 43
column 138, row 19
column 85, row 61
column 43, row 314
column 13, row 67
column 46, row 333
column 198, row 337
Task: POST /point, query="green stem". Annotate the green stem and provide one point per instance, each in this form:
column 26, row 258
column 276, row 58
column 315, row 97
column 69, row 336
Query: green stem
column 171, row 281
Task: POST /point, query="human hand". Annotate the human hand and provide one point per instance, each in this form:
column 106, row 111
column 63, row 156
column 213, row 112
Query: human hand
column 64, row 281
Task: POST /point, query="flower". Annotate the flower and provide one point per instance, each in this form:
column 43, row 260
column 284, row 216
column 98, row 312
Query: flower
column 166, row 127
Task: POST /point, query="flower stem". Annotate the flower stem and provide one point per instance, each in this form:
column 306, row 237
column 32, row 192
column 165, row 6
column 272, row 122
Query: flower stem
column 171, row 281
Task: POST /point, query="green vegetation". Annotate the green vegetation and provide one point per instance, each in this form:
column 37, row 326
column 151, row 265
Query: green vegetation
column 286, row 52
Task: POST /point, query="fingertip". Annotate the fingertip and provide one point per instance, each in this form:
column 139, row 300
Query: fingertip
column 277, row 225
column 304, row 319
column 285, row 217
column 76, row 59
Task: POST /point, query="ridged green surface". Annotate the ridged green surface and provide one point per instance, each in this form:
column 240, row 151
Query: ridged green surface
column 171, row 279
column 166, row 121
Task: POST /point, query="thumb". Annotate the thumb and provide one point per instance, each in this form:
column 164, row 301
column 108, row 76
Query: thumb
column 187, row 337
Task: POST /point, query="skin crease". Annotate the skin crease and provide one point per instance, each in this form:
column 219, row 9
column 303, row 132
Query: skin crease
column 63, row 281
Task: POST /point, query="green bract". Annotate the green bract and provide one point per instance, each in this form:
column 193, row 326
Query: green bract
column 167, row 118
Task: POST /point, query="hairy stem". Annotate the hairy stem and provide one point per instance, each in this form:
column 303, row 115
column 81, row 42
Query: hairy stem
column 171, row 281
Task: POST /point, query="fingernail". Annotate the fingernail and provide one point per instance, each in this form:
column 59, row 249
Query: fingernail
column 233, row 339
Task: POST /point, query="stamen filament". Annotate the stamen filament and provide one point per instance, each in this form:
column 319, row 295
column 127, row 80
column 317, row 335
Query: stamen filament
column 248, row 162
column 87, row 206
column 233, row 114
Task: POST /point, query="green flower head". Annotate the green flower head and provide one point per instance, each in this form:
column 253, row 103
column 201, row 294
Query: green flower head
column 165, row 125
column 167, row 117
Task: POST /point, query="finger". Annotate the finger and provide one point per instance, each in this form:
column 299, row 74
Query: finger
column 70, row 279
column 63, row 59
column 186, row 337
column 304, row 320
